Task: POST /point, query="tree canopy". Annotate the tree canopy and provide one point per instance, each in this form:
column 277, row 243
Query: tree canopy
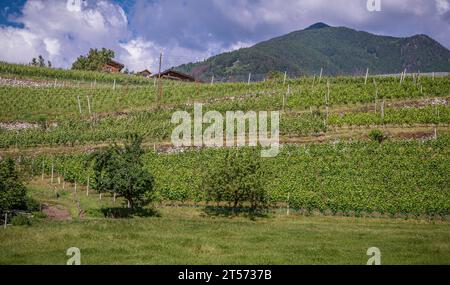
column 238, row 180
column 94, row 60
column 40, row 62
column 119, row 170
column 13, row 194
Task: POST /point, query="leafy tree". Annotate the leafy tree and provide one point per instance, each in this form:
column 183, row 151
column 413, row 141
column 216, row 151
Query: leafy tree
column 120, row 171
column 94, row 60
column 40, row 62
column 13, row 194
column 238, row 180
column 34, row 62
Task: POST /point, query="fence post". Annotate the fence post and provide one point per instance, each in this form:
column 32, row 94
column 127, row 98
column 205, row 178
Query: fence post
column 320, row 77
column 285, row 75
column 212, row 79
column 328, row 91
column 79, row 104
column 87, row 187
column 6, row 219
column 287, row 212
column 114, row 85
column 51, row 180
column 43, row 170
column 367, row 74
column 249, row 78
column 89, row 104
column 64, row 178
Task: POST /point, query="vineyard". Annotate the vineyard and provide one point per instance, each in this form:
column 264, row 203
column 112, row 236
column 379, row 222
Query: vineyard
column 345, row 173
column 402, row 177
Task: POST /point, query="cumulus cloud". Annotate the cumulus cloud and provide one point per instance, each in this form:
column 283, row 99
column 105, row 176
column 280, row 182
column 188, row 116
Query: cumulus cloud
column 192, row 30
column 61, row 31
column 195, row 23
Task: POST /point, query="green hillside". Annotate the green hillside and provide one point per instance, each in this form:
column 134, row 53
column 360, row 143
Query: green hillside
column 338, row 50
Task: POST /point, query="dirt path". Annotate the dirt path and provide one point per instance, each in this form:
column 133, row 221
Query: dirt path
column 56, row 212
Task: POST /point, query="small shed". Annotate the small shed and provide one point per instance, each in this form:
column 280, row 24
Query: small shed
column 175, row 75
column 113, row 66
column 144, row 73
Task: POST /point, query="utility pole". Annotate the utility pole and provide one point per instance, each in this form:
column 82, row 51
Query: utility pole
column 159, row 78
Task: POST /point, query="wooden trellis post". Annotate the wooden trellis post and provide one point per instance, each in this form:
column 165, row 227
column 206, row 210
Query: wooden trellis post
column 287, row 211
column 79, row 103
column 43, row 170
column 51, row 179
column 64, row 178
column 89, row 104
column 87, row 187
column 328, row 92
column 367, row 75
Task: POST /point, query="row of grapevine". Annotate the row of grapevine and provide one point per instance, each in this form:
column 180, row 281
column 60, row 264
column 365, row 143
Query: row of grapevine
column 409, row 177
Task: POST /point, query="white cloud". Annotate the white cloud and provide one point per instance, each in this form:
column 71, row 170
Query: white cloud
column 193, row 30
column 52, row 46
column 61, row 31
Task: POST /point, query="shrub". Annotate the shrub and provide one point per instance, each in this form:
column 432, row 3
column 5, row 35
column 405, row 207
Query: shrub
column 376, row 135
column 21, row 220
column 13, row 194
column 238, row 180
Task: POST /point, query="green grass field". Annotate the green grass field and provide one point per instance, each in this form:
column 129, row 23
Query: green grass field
column 186, row 236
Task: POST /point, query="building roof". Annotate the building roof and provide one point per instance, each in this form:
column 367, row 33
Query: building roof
column 145, row 71
column 173, row 74
column 116, row 64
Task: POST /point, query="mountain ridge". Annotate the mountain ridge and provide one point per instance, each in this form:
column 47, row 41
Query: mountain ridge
column 338, row 50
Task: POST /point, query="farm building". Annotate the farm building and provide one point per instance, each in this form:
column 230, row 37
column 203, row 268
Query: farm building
column 113, row 66
column 175, row 75
column 144, row 73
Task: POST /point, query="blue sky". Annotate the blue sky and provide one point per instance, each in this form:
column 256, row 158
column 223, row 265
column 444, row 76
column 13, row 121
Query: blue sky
column 192, row 30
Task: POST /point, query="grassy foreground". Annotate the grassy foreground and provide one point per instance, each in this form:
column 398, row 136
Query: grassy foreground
column 187, row 236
